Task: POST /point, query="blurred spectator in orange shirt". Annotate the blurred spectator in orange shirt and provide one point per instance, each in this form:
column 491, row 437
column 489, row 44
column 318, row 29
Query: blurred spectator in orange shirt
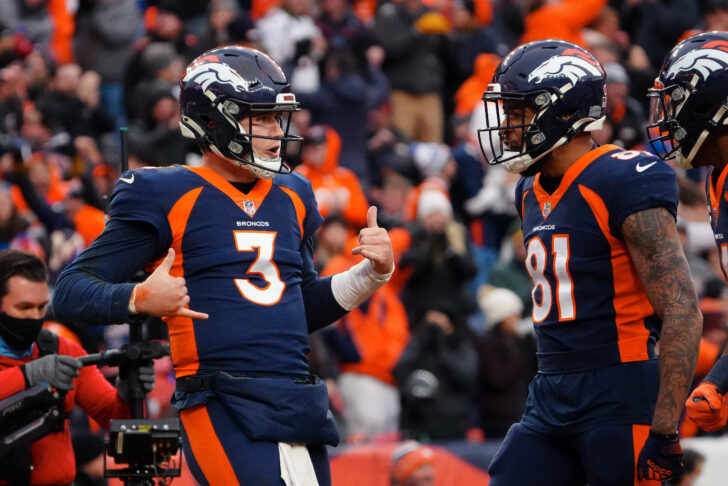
column 468, row 96
column 337, row 189
column 560, row 19
column 368, row 342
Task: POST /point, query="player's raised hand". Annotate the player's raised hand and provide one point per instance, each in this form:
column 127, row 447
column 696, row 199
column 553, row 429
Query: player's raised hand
column 707, row 407
column 374, row 244
column 163, row 295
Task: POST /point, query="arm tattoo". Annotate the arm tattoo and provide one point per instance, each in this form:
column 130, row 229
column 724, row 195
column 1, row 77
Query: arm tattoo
column 659, row 259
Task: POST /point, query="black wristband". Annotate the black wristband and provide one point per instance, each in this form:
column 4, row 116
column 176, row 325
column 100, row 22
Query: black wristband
column 664, row 437
column 25, row 377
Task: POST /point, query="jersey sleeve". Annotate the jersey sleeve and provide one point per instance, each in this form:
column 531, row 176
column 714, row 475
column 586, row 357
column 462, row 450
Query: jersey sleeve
column 642, row 182
column 313, row 217
column 134, row 199
column 302, row 187
column 92, row 289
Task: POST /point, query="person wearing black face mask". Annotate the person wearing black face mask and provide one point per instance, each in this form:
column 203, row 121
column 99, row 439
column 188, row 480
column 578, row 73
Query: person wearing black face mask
column 23, row 300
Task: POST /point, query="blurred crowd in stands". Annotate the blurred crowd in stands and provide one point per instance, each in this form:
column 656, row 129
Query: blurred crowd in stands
column 390, row 92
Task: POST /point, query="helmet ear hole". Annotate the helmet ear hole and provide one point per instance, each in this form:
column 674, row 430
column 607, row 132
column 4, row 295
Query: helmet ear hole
column 703, row 108
column 208, row 121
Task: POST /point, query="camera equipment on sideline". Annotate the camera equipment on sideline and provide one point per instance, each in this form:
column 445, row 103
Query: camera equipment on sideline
column 150, row 448
column 29, row 415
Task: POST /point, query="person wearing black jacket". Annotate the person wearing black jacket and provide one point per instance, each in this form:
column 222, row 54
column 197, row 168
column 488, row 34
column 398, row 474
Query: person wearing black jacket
column 437, row 373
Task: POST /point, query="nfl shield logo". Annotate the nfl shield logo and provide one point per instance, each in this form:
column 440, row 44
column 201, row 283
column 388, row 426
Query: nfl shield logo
column 249, row 208
column 546, row 210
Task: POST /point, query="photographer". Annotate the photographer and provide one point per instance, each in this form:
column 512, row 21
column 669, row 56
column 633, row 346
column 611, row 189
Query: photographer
column 437, row 374
column 29, row 356
column 439, row 259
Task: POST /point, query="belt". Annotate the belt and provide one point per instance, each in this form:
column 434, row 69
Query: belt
column 199, row 383
column 196, row 383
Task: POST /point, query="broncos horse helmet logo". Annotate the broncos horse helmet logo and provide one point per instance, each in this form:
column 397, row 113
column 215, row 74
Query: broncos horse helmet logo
column 217, row 72
column 571, row 67
column 705, row 61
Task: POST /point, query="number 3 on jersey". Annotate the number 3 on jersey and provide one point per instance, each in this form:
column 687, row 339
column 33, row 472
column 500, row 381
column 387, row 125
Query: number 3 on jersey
column 536, row 260
column 264, row 242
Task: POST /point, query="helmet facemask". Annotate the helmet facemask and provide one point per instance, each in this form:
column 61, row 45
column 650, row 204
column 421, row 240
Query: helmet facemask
column 230, row 133
column 527, row 113
column 667, row 137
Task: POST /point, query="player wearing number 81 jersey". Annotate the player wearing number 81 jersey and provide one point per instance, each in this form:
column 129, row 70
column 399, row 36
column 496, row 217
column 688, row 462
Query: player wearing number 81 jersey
column 589, row 306
column 609, row 280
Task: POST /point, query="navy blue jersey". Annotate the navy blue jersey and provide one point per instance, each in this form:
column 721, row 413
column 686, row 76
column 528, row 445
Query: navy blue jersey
column 239, row 254
column 718, row 207
column 589, row 306
column 246, row 258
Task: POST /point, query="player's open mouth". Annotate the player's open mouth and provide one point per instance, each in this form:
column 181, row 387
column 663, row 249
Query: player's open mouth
column 272, row 152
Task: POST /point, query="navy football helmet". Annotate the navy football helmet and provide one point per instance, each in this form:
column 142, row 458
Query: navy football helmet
column 223, row 86
column 558, row 85
column 690, row 97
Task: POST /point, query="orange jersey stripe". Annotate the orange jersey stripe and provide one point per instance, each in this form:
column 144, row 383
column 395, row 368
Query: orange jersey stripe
column 206, row 447
column 298, row 205
column 570, row 175
column 630, row 302
column 181, row 329
column 256, row 195
column 715, row 192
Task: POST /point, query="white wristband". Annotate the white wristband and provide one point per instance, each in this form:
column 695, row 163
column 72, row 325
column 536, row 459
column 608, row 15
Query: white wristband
column 354, row 286
column 132, row 301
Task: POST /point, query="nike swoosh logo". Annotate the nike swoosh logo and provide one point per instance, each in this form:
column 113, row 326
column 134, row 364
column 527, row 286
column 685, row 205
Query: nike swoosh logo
column 130, row 180
column 638, row 167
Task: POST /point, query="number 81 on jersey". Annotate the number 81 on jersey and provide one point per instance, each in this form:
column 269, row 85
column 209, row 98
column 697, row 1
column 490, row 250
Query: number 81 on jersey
column 536, row 261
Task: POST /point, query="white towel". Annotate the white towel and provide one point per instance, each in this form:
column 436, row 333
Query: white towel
column 296, row 466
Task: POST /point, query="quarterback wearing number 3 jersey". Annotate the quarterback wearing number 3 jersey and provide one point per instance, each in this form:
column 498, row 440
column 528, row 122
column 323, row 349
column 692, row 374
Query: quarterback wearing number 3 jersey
column 229, row 248
column 610, row 280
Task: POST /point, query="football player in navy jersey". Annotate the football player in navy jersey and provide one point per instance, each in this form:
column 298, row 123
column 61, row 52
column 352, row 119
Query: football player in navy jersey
column 610, row 281
column 689, row 115
column 229, row 247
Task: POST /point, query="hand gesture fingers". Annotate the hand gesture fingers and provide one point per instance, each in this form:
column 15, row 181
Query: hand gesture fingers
column 166, row 264
column 374, row 244
column 164, row 295
column 185, row 312
column 372, row 217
